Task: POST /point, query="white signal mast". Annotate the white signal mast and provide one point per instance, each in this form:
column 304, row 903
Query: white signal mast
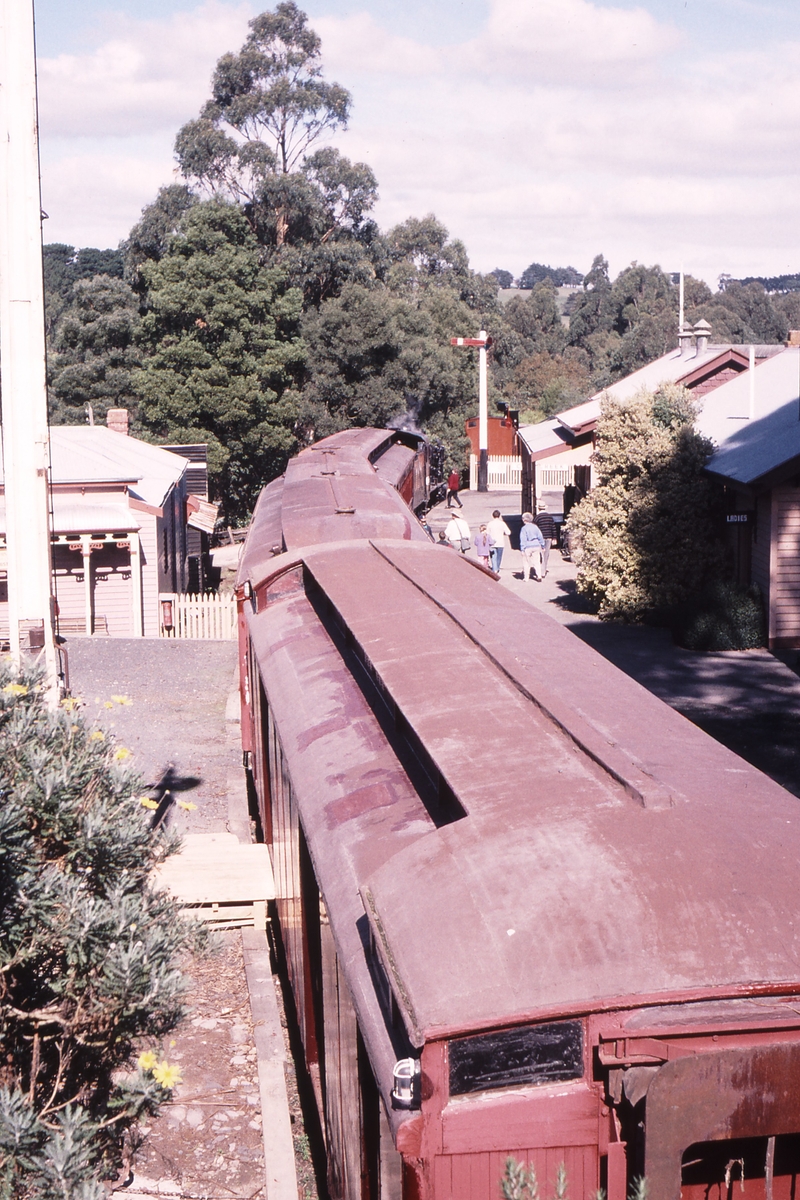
column 482, row 343
column 25, row 436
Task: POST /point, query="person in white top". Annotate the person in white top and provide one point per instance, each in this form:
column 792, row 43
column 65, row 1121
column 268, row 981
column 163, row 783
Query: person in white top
column 457, row 534
column 498, row 530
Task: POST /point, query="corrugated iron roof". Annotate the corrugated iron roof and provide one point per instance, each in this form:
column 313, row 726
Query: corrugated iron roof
column 670, row 368
column 752, row 448
column 95, row 454
column 74, row 514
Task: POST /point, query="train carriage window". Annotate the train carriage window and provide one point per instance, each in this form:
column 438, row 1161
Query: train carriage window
column 510, row 1057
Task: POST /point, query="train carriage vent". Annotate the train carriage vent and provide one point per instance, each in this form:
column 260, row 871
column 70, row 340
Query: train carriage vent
column 442, row 804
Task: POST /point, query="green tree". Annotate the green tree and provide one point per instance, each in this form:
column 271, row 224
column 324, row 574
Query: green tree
column 269, row 105
column 545, row 384
column 88, row 957
column 743, row 313
column 64, row 266
column 222, row 333
column 647, row 536
column 504, row 278
column 374, row 355
column 149, row 238
column 558, row 276
column 536, row 318
column 622, row 326
column 96, row 351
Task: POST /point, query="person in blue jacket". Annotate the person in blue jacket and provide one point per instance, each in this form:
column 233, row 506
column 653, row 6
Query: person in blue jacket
column 531, row 543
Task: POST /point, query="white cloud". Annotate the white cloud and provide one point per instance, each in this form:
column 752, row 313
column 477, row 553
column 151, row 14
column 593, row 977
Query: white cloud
column 147, row 75
column 560, row 129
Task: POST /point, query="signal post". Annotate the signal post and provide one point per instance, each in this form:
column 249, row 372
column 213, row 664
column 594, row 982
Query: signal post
column 482, row 343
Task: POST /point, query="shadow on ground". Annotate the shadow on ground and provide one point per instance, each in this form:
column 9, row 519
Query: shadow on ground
column 745, row 699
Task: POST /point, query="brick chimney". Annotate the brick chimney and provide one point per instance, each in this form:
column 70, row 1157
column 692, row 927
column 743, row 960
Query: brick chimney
column 702, row 332
column 793, row 338
column 117, row 419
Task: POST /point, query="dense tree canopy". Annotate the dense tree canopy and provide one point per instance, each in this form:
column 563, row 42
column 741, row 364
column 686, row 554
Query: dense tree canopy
column 95, row 351
column 222, row 340
column 558, row 276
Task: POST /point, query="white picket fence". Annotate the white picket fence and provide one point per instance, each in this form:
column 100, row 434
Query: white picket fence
column 505, row 472
column 549, row 478
column 206, row 617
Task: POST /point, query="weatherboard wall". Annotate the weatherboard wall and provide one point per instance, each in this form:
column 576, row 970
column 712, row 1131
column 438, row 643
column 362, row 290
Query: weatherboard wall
column 784, row 591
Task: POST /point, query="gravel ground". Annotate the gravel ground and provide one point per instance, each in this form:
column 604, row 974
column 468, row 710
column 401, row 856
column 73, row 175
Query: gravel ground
column 175, row 721
column 208, row 1142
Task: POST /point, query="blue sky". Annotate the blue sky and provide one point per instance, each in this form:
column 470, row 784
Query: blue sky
column 549, row 130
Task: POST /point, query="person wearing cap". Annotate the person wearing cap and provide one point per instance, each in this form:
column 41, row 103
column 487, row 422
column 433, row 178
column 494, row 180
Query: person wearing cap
column 458, row 534
column 531, row 543
column 548, row 528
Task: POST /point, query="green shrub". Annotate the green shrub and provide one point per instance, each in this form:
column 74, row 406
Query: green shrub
column 648, row 535
column 721, row 617
column 89, row 984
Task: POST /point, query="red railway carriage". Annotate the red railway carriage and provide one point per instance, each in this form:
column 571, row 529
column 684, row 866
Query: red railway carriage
column 527, row 908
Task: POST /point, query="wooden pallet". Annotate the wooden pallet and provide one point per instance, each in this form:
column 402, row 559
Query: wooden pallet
column 225, row 882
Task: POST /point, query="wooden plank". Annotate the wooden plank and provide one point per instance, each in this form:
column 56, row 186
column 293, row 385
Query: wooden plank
column 218, row 869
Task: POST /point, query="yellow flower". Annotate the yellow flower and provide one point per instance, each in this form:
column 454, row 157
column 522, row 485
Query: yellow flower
column 97, row 736
column 107, row 704
column 187, row 804
column 146, row 802
column 122, row 752
column 147, row 1061
column 166, row 1075
column 70, row 703
column 122, row 700
column 15, row 689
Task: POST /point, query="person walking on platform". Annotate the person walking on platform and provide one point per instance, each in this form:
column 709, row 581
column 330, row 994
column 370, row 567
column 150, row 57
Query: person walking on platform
column 548, row 527
column 483, row 542
column 498, row 530
column 453, row 484
column 457, row 534
column 531, row 543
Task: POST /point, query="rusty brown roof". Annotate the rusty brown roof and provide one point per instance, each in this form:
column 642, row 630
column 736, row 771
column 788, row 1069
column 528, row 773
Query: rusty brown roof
column 610, row 849
column 330, row 492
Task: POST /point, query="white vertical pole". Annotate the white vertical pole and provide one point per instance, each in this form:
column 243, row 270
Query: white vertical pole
column 136, row 584
column 681, row 306
column 752, row 383
column 483, row 418
column 22, row 347
column 86, row 553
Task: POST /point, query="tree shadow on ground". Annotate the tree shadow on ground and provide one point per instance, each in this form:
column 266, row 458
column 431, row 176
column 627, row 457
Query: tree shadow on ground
column 572, row 600
column 746, row 700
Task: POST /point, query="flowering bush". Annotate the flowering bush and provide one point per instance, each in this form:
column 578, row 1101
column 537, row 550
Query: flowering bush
column 88, row 952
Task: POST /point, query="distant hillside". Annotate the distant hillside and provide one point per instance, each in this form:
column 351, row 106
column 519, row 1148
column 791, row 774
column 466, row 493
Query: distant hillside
column 774, row 283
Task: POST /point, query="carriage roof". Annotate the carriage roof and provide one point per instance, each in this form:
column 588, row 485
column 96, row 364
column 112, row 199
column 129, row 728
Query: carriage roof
column 598, row 848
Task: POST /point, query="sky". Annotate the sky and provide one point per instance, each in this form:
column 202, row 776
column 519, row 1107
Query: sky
column 658, row 131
